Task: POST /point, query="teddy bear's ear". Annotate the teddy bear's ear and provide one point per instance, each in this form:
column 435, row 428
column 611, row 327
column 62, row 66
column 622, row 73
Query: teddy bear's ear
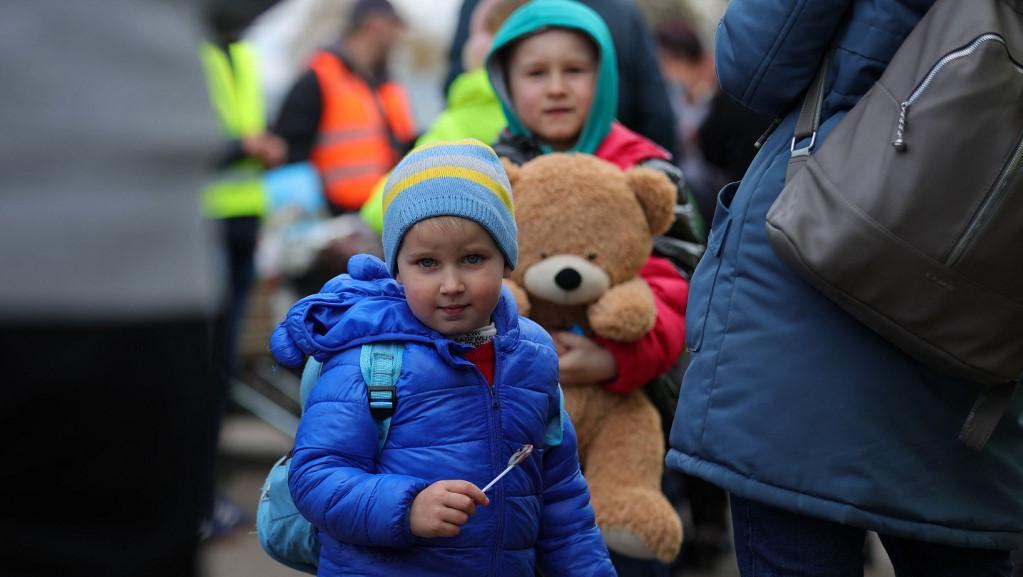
column 656, row 194
column 512, row 169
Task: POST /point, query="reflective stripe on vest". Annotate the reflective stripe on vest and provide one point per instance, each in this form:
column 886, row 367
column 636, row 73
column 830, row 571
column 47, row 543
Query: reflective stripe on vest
column 237, row 98
column 353, row 149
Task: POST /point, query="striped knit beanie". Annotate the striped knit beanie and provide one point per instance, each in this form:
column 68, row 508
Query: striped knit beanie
column 461, row 178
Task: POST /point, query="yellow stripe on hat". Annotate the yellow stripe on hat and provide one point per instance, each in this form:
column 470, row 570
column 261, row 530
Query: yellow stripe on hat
column 450, row 172
column 462, row 142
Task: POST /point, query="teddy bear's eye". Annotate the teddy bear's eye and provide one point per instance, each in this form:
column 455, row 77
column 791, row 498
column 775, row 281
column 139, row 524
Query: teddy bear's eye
column 543, row 255
column 591, row 257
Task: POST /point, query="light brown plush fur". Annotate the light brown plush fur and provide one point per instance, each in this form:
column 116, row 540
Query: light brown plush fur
column 580, row 212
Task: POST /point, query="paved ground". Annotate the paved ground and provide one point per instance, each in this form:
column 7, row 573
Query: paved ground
column 248, row 449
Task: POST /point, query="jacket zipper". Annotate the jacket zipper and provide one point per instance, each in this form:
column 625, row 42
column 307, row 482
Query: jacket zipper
column 495, row 438
column 899, row 143
column 987, row 207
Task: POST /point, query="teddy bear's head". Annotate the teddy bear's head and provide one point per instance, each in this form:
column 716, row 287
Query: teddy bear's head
column 584, row 225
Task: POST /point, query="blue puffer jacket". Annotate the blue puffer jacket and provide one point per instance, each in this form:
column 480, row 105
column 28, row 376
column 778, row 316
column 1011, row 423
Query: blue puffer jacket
column 448, row 424
column 789, row 401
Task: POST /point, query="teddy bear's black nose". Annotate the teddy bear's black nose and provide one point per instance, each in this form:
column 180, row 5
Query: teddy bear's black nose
column 568, row 279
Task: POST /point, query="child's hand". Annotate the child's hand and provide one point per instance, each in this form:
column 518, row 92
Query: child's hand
column 443, row 507
column 582, row 361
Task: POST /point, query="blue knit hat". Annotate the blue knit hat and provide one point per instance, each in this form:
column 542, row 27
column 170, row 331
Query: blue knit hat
column 462, row 178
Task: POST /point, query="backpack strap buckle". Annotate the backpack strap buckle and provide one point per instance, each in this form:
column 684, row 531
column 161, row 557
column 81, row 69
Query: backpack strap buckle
column 381, row 365
column 381, row 400
column 804, row 151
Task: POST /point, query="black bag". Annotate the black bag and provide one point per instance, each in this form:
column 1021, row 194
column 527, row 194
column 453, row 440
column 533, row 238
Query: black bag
column 910, row 216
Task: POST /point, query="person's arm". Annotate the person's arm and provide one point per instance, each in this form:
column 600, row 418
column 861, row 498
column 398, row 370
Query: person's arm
column 768, row 51
column 266, row 148
column 659, row 350
column 333, row 478
column 570, row 543
column 298, row 122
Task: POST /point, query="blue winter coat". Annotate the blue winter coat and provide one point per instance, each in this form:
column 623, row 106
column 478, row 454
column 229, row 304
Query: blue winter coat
column 789, row 401
column 448, row 424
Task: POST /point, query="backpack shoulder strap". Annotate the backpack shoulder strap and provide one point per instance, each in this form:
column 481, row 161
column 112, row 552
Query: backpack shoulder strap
column 986, row 413
column 381, row 365
column 808, row 122
column 310, row 374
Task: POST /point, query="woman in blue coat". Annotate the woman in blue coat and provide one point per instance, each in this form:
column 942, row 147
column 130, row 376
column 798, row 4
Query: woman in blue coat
column 818, row 428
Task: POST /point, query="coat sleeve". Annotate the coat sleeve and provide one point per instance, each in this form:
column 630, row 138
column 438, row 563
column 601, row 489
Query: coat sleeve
column 768, row 51
column 570, row 543
column 659, row 350
column 298, row 121
column 332, row 476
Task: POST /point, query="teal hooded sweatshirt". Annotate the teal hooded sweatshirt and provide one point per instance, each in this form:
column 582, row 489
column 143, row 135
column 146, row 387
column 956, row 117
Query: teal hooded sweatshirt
column 540, row 15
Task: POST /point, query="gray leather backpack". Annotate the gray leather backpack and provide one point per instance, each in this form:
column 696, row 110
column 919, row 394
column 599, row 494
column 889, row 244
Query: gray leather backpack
column 910, row 214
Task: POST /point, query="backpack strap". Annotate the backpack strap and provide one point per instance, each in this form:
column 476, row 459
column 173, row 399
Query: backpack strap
column 809, row 121
column 985, row 414
column 381, row 365
column 310, row 374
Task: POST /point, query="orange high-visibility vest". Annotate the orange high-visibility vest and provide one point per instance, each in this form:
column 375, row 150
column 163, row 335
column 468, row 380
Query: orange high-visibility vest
column 353, row 148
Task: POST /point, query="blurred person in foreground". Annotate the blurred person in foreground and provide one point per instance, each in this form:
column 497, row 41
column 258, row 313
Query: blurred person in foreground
column 108, row 401
column 344, row 114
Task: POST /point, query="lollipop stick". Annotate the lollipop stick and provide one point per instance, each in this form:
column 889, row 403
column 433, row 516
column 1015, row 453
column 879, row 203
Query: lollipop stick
column 498, row 478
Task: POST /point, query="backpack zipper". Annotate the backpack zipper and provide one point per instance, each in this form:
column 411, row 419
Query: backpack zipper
column 899, row 143
column 986, row 209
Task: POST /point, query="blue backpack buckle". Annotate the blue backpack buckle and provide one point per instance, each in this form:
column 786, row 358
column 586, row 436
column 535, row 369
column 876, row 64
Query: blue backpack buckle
column 382, row 399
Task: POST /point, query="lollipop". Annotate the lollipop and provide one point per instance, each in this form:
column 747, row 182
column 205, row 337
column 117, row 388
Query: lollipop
column 516, row 458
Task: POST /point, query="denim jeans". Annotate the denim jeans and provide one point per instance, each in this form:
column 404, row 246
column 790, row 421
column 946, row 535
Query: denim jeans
column 771, row 542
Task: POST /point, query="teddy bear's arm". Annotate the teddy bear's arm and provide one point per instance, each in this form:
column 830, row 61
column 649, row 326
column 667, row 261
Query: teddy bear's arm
column 625, row 312
column 521, row 298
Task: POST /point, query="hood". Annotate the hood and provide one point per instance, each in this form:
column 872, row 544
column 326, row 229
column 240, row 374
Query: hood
column 542, row 14
column 363, row 306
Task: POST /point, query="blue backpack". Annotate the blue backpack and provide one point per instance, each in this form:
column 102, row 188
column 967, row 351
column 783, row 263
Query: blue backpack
column 283, row 532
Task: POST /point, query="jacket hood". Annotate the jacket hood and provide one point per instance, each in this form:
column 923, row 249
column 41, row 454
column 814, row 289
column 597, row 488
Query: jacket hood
column 363, row 306
column 543, row 14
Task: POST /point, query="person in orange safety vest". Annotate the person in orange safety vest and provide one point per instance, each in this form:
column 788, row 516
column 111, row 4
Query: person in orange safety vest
column 344, row 115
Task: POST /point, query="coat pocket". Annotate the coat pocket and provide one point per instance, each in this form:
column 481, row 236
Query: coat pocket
column 701, row 288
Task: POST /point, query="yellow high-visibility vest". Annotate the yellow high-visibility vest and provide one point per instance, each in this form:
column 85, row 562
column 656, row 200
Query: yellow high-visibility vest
column 237, row 98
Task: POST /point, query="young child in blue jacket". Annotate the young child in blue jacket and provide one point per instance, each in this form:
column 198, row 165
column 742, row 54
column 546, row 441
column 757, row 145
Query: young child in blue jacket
column 477, row 382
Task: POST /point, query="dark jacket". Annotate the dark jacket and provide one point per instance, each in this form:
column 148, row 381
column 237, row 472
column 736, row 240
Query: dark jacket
column 788, row 400
column 448, row 424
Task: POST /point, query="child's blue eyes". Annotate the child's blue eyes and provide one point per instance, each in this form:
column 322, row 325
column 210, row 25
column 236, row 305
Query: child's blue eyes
column 430, row 263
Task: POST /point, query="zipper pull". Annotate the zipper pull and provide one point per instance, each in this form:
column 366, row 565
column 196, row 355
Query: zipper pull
column 767, row 133
column 899, row 143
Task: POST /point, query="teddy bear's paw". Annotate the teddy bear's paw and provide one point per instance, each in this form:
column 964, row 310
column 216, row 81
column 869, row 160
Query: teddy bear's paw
column 625, row 542
column 640, row 543
column 520, row 296
column 624, row 313
column 639, row 523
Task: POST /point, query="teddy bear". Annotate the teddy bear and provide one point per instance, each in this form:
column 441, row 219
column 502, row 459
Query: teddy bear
column 586, row 228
